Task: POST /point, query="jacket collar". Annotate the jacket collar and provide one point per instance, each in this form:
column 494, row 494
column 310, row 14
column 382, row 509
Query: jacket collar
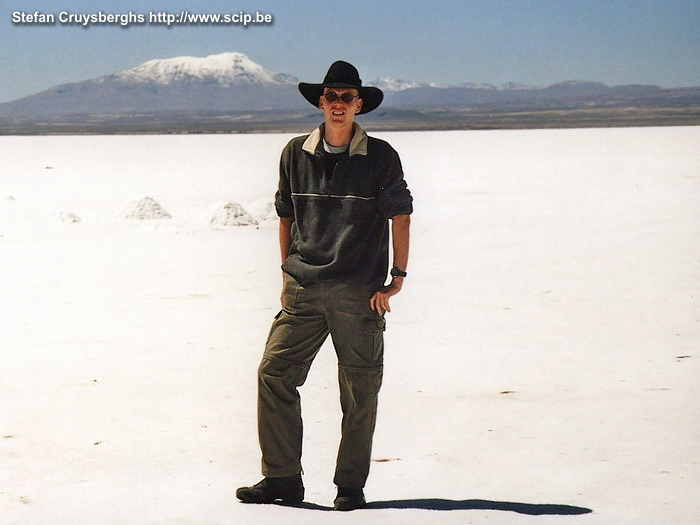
column 358, row 143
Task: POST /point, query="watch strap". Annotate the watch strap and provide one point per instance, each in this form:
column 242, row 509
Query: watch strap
column 395, row 272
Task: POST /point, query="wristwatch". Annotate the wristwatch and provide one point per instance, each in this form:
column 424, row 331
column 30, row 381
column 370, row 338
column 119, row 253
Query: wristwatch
column 395, row 272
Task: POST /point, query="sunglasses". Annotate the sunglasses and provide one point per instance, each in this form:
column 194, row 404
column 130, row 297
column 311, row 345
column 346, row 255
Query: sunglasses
column 332, row 96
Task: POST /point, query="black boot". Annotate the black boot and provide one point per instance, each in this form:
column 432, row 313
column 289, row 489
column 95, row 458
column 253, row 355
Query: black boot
column 349, row 499
column 288, row 490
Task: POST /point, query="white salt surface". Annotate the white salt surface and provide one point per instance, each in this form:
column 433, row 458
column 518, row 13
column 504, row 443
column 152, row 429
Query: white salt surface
column 542, row 358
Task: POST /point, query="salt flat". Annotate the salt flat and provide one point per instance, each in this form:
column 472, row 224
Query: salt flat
column 542, row 359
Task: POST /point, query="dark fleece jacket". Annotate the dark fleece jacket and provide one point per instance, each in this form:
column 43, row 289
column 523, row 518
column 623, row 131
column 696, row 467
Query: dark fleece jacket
column 341, row 218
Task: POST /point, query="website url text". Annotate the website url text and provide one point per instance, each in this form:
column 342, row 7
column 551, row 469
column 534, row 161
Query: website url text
column 163, row 18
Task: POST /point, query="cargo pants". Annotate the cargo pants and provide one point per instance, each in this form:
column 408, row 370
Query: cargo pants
column 310, row 313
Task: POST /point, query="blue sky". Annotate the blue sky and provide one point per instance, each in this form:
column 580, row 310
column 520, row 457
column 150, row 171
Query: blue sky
column 452, row 41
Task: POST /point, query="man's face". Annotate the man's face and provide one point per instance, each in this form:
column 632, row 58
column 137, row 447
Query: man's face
column 339, row 113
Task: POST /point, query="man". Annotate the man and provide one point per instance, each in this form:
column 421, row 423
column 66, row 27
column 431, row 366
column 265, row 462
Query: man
column 338, row 188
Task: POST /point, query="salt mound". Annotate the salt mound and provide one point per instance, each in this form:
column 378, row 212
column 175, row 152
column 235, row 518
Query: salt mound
column 10, row 198
column 68, row 217
column 231, row 214
column 146, row 209
column 263, row 210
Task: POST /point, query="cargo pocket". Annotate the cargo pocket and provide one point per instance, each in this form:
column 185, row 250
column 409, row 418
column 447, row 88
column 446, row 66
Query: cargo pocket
column 291, row 292
column 375, row 328
column 272, row 328
column 377, row 324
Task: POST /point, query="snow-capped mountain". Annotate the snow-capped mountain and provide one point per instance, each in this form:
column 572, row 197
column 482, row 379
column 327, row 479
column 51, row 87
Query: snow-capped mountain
column 471, row 85
column 389, row 84
column 225, row 69
column 515, row 86
column 227, row 82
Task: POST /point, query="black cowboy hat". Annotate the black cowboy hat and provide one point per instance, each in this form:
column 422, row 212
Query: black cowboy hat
column 343, row 75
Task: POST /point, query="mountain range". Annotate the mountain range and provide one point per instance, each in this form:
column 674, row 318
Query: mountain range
column 232, row 83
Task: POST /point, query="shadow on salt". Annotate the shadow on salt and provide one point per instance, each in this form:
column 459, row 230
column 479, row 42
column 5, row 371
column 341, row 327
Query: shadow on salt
column 531, row 509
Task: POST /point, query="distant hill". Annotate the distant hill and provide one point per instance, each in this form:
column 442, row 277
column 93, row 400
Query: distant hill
column 230, row 84
column 563, row 95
